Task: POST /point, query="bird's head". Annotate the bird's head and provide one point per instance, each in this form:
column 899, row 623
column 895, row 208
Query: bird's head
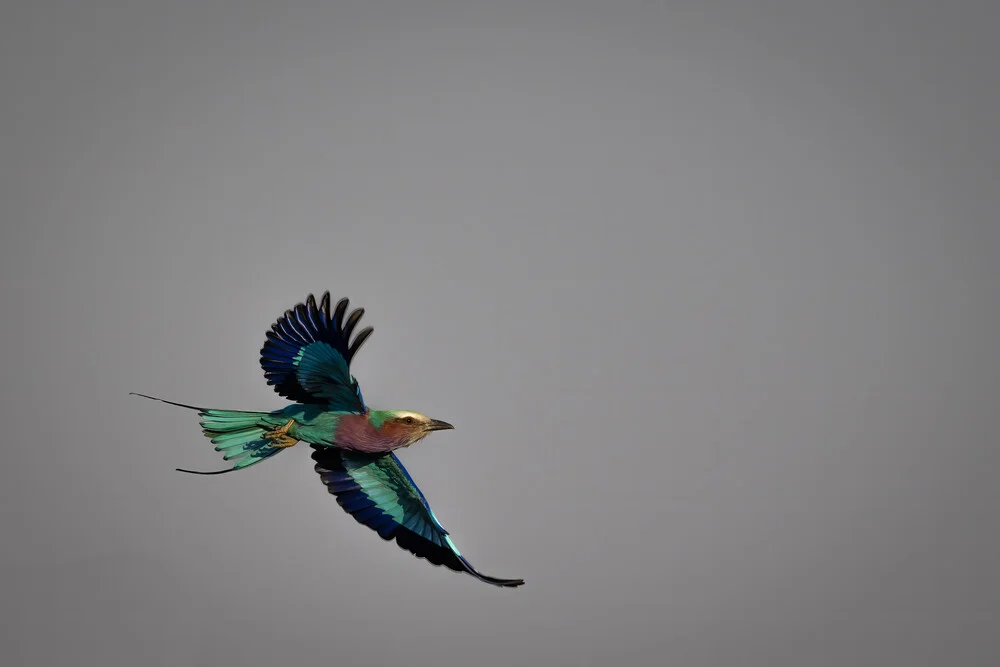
column 407, row 427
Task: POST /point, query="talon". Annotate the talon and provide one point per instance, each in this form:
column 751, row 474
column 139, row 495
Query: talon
column 280, row 437
column 283, row 441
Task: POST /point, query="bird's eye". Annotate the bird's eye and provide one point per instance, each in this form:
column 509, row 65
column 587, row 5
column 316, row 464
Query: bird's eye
column 408, row 420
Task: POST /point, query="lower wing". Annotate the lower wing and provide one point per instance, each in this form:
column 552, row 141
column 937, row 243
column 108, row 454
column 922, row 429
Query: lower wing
column 378, row 492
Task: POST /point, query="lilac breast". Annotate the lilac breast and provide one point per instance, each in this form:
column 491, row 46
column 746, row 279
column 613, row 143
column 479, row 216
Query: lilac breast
column 357, row 433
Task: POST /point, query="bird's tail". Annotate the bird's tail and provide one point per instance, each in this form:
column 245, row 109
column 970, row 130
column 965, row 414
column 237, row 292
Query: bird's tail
column 238, row 434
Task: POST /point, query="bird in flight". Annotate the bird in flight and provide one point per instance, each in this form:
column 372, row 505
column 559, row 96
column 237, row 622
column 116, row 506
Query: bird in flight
column 307, row 358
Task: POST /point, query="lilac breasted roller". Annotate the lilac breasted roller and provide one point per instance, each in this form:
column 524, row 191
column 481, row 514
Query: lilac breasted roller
column 306, row 358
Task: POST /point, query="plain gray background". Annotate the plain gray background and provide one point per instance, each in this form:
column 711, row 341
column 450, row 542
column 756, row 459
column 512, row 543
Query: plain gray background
column 708, row 289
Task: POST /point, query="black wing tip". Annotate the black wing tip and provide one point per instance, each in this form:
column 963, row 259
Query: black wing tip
column 335, row 322
column 359, row 340
column 444, row 557
column 464, row 566
column 334, row 318
column 500, row 583
column 495, row 581
column 461, row 565
column 338, row 313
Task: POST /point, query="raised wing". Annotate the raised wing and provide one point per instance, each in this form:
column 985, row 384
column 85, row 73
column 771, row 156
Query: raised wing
column 378, row 492
column 308, row 352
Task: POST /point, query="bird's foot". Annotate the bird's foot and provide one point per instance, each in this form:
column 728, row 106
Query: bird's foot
column 279, row 437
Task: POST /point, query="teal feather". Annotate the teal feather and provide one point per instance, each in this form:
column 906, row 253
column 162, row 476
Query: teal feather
column 236, row 437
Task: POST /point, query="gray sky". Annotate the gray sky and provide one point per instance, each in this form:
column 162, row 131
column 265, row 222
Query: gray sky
column 708, row 290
